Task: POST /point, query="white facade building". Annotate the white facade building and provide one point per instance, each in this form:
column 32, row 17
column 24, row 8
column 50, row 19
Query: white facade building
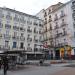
column 19, row 31
column 59, row 27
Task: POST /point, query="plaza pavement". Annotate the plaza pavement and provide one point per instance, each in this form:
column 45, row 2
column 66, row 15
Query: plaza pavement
column 54, row 69
column 68, row 71
column 37, row 70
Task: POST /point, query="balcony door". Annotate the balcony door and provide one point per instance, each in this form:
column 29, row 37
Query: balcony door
column 21, row 45
column 14, row 44
column 6, row 43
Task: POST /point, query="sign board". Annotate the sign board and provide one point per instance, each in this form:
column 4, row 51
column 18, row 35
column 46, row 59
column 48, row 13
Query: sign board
column 45, row 45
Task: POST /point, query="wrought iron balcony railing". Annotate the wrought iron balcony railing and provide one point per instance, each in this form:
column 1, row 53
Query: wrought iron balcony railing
column 22, row 38
column 6, row 36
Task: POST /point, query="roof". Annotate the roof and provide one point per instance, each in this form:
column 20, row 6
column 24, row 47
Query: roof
column 21, row 13
column 61, row 6
column 55, row 5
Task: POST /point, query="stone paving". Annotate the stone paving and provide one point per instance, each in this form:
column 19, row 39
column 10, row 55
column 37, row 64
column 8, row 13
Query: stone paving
column 68, row 71
column 54, row 69
column 36, row 70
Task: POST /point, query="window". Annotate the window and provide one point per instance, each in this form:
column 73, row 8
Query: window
column 50, row 16
column 7, row 32
column 28, row 35
column 21, row 45
column 62, row 12
column 28, row 44
column 74, row 25
column 74, row 34
column 50, row 27
column 45, row 14
column 1, row 14
column 62, row 20
column 74, row 51
column 56, row 17
column 7, row 26
column 1, row 25
column 6, row 43
column 49, row 11
column 15, row 33
column 14, row 44
column 22, row 34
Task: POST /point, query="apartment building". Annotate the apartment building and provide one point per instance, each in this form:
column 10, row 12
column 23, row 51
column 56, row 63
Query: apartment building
column 20, row 31
column 59, row 28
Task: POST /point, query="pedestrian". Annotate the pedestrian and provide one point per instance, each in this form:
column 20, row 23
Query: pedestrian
column 5, row 64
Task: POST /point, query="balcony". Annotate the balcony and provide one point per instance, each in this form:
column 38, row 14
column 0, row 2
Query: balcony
column 40, row 32
column 1, row 15
column 22, row 20
column 62, row 15
column 46, row 39
column 29, row 30
column 63, row 24
column 50, row 20
column 35, row 23
column 35, row 31
column 56, row 27
column 45, row 14
column 64, row 33
column 6, row 48
column 15, row 37
column 1, row 25
column 57, row 35
column 36, row 40
column 56, row 18
column 22, row 38
column 16, row 19
column 40, row 25
column 29, row 49
column 36, row 49
column 50, row 29
column 7, row 26
column 73, row 15
column 16, row 28
column 40, row 40
column 45, row 22
column 21, row 48
column 1, row 47
column 45, row 30
column 73, row 5
column 15, row 48
column 51, row 38
column 8, row 17
column 22, row 29
column 29, row 22
column 6, row 36
column 29, row 39
column 0, row 35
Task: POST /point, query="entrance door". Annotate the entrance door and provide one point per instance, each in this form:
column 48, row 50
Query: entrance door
column 57, row 54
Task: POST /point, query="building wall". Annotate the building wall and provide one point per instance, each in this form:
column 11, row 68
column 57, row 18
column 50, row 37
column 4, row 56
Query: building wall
column 21, row 22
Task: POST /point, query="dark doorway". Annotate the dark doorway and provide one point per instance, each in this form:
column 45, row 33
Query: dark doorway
column 57, row 54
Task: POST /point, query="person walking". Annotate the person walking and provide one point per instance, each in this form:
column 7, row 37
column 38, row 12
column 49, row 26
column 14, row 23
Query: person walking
column 5, row 65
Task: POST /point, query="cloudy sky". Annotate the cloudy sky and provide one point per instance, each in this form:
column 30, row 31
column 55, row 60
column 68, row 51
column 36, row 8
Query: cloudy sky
column 29, row 6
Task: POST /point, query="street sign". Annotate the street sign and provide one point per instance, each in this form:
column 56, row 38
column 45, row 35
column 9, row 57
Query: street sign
column 45, row 45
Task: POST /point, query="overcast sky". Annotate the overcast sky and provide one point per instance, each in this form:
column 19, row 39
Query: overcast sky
column 29, row 6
